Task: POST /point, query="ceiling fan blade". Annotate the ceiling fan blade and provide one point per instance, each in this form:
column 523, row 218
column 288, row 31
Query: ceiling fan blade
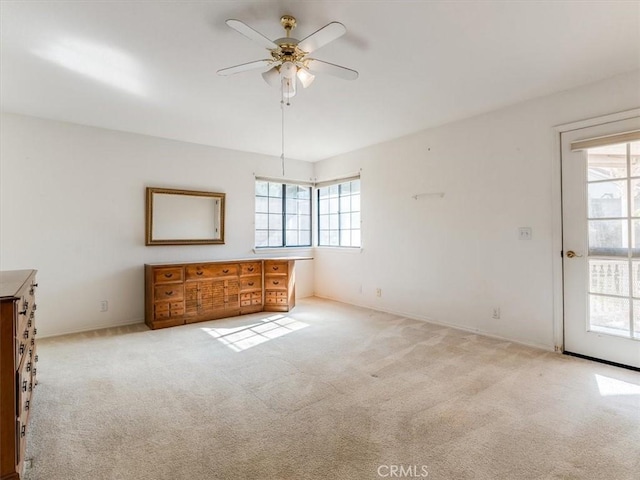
column 250, row 33
column 243, row 67
column 321, row 37
column 318, row 66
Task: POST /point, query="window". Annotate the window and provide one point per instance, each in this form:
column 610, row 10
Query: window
column 339, row 214
column 283, row 214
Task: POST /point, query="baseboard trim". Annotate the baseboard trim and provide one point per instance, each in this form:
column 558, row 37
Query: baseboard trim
column 599, row 360
column 94, row 327
column 421, row 318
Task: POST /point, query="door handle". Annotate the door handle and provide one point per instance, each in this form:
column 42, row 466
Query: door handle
column 572, row 254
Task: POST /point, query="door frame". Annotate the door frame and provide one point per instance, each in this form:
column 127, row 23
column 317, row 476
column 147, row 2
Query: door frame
column 556, row 193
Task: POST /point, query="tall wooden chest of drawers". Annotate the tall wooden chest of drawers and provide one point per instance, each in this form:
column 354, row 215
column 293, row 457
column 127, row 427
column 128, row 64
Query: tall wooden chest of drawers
column 18, row 359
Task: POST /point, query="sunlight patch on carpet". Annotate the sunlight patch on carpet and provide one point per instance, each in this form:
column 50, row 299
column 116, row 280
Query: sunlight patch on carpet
column 247, row 336
column 610, row 386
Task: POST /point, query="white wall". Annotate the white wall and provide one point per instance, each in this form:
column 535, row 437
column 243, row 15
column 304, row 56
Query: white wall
column 451, row 260
column 72, row 206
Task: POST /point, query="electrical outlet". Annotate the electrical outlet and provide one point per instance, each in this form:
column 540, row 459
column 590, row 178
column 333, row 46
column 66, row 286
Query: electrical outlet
column 525, row 233
column 104, row 306
column 378, row 292
column 496, row 313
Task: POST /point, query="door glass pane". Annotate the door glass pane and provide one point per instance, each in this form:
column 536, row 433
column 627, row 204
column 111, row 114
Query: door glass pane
column 608, row 199
column 609, row 314
column 607, row 162
column 609, row 276
column 608, row 237
column 635, row 271
column 636, row 319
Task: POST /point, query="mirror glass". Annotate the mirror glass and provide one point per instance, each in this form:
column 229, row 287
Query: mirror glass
column 183, row 217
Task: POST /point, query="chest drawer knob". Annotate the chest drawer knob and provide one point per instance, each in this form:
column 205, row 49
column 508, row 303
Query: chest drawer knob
column 36, row 359
column 250, row 284
column 23, row 312
column 26, row 405
column 199, row 273
column 226, row 270
column 28, row 366
column 23, row 431
column 21, row 348
column 26, row 334
column 169, row 293
column 24, row 385
column 35, row 332
column 250, row 269
column 276, row 282
column 168, row 275
column 275, row 267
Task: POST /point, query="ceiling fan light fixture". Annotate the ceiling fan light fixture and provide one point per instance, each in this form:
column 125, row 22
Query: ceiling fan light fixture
column 305, row 77
column 288, row 87
column 272, row 77
column 288, row 70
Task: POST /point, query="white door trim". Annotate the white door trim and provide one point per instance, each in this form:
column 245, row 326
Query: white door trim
column 556, row 194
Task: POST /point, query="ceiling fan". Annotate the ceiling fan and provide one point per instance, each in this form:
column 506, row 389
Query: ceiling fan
column 289, row 58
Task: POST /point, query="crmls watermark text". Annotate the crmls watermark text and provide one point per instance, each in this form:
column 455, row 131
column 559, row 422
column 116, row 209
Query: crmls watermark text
column 403, row 471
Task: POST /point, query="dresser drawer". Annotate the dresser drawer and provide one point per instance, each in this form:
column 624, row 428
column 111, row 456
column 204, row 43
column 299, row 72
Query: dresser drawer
column 250, row 283
column 167, row 275
column 195, row 272
column 169, row 292
column 253, row 268
column 275, row 282
column 276, row 268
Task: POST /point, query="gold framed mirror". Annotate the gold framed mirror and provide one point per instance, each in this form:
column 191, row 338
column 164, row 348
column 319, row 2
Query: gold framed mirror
column 184, row 217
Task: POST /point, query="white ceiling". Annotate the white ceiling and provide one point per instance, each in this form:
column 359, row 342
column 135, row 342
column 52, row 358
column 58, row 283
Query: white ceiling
column 150, row 67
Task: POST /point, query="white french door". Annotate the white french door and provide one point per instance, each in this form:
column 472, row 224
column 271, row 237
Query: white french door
column 601, row 241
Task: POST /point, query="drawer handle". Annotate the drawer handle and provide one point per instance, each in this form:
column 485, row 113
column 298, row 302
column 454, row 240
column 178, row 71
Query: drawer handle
column 34, row 307
column 23, row 431
column 275, row 267
column 26, row 334
column 24, row 385
column 29, row 323
column 30, row 386
column 35, row 332
column 199, row 273
column 276, row 282
column 250, row 284
column 22, row 347
column 28, row 366
column 226, row 270
column 26, row 405
column 168, row 275
column 32, row 314
column 169, row 293
column 23, row 312
column 34, row 370
column 250, row 269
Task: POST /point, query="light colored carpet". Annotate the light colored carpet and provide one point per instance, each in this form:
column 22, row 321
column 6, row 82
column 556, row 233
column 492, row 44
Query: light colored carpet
column 327, row 391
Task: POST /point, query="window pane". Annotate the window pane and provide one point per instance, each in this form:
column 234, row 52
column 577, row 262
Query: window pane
column 334, row 222
column 262, row 204
column 292, row 222
column 324, row 238
column 304, row 192
column 635, row 198
column 345, row 238
column 355, row 186
column 292, row 237
column 262, row 221
column 305, row 222
column 345, row 188
column 305, row 237
column 275, row 190
column 334, row 204
column 292, row 205
column 323, row 207
column 345, row 204
column 262, row 188
column 334, row 238
column 304, row 206
column 275, row 222
column 355, row 220
column 333, row 190
column 323, row 222
column 608, row 199
column 275, row 238
column 262, row 238
column 345, row 220
column 355, row 203
column 275, row 205
column 291, row 191
column 355, row 238
column 323, row 192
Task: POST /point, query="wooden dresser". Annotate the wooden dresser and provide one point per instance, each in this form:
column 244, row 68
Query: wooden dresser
column 18, row 359
column 179, row 293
